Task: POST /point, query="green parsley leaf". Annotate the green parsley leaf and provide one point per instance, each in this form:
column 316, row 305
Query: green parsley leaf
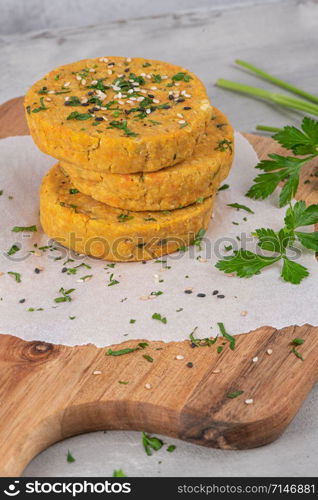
column 73, row 101
column 124, row 217
column 224, row 187
column 16, row 276
column 300, row 215
column 112, row 281
column 293, row 272
column 297, row 354
column 181, row 76
column 119, row 473
column 227, row 336
column 40, row 108
column 301, row 142
column 224, row 145
column 234, row 395
column 308, row 240
column 122, row 125
column 240, row 207
column 121, row 352
column 245, row 263
column 74, row 191
column 159, row 318
column 14, row 249
column 65, row 295
column 298, row 341
column 75, row 115
column 201, row 342
column 20, row 229
column 277, row 169
column 171, row 448
column 198, row 237
column 70, row 459
column 148, row 358
column 151, row 443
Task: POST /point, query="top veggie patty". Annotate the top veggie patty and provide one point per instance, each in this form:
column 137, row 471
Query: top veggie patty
column 118, row 114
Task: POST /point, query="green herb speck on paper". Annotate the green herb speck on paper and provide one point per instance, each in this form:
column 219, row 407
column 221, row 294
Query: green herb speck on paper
column 65, row 295
column 16, row 276
column 70, row 459
column 224, row 187
column 158, row 317
column 119, row 473
column 20, row 229
column 238, row 206
column 171, row 448
column 14, row 249
column 151, row 443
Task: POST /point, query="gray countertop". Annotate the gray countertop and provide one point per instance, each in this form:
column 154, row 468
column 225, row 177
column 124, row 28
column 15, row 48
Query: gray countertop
column 282, row 38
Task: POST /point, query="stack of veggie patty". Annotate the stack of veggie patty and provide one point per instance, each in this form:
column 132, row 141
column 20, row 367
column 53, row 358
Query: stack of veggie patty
column 141, row 156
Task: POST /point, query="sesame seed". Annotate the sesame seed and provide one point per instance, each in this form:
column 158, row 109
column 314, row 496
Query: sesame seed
column 78, row 77
column 97, row 372
column 269, row 351
column 190, row 365
column 153, row 88
column 66, row 84
column 217, row 370
column 92, row 70
column 21, row 301
column 181, row 122
column 148, row 386
column 249, row 401
column 255, row 359
column 201, row 295
column 94, row 82
column 243, row 313
column 188, row 290
column 109, row 71
column 156, row 101
column 179, row 357
column 121, row 103
column 148, row 111
column 220, row 296
column 215, row 292
column 179, row 115
column 128, row 59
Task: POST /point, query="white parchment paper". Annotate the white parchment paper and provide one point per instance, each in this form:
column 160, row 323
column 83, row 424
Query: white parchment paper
column 103, row 313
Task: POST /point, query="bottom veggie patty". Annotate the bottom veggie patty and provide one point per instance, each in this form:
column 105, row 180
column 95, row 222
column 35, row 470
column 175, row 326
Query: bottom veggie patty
column 90, row 227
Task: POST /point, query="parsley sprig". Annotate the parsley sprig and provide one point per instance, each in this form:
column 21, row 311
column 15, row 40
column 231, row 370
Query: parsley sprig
column 302, row 142
column 246, row 264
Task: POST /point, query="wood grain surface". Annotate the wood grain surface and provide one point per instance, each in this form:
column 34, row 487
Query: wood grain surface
column 50, row 392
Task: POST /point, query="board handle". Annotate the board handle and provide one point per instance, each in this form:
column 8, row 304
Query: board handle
column 51, row 392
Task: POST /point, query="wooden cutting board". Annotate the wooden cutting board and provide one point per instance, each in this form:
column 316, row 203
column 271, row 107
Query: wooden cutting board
column 50, row 392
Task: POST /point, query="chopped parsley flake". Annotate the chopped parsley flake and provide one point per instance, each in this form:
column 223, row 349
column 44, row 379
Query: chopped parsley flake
column 20, row 229
column 159, row 317
column 151, row 443
column 234, row 395
column 16, row 276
